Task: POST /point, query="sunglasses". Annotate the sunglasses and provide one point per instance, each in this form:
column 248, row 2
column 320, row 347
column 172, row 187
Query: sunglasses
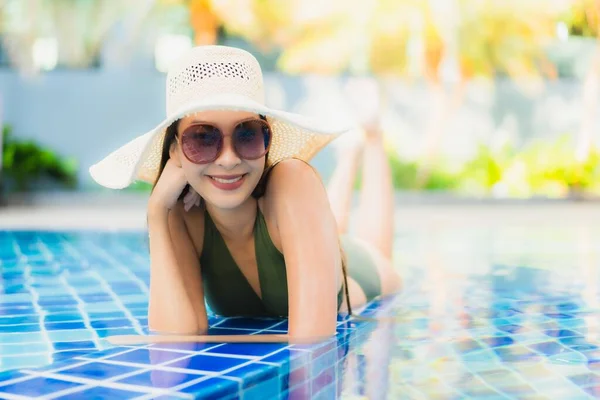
column 202, row 143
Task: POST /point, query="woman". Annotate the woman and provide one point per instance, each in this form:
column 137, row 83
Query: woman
column 238, row 218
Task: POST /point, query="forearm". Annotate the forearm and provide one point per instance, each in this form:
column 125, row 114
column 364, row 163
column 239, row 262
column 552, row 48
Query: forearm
column 170, row 307
column 128, row 340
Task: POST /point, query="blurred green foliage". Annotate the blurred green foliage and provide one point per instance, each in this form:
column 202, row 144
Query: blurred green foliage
column 546, row 168
column 26, row 164
column 543, row 168
column 139, row 186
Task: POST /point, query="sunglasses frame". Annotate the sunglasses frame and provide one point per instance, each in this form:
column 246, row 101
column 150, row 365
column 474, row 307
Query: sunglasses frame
column 220, row 148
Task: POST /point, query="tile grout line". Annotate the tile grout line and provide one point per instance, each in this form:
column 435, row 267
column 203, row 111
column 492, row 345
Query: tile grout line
column 86, row 318
column 106, row 383
column 35, row 300
column 80, row 304
column 112, row 383
column 101, row 252
column 114, row 262
column 136, row 324
column 9, row 396
column 160, row 366
column 221, row 373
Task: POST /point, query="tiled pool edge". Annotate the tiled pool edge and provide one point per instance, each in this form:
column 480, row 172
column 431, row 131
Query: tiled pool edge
column 351, row 333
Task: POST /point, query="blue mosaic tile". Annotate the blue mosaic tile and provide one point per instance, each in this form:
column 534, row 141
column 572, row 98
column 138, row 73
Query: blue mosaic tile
column 111, row 323
column 108, row 352
column 70, row 335
column 248, row 349
column 10, row 375
column 101, row 393
column 18, row 349
column 26, row 319
column 268, row 389
column 74, row 345
column 161, row 379
column 35, row 387
column 212, row 388
column 97, row 370
column 206, row 363
column 147, row 356
column 324, row 380
column 285, row 356
column 53, row 326
column 502, row 322
column 549, row 348
column 254, row 373
column 103, row 333
column 19, row 328
column 67, row 354
column 498, row 341
column 63, row 317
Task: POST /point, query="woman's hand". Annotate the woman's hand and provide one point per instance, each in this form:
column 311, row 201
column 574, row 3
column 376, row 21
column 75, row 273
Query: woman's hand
column 191, row 199
column 168, row 188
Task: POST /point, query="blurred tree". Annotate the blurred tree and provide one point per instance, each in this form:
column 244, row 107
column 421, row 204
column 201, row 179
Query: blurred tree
column 583, row 19
column 204, row 22
column 489, row 39
column 74, row 30
column 445, row 43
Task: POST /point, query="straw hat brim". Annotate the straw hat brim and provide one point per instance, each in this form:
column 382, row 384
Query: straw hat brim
column 294, row 135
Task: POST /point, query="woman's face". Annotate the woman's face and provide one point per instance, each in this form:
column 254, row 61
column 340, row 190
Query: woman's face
column 229, row 180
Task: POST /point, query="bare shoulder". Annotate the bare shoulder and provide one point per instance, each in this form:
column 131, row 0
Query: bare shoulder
column 295, row 183
column 295, row 175
column 190, row 222
column 287, row 178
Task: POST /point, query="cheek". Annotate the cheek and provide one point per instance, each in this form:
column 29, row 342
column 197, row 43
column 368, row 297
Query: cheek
column 258, row 167
column 193, row 172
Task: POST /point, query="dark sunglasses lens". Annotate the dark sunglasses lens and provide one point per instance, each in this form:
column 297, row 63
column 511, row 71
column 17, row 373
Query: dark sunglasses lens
column 201, row 143
column 252, row 138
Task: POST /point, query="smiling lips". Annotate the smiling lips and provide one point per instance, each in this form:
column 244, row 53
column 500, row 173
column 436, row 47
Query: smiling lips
column 227, row 182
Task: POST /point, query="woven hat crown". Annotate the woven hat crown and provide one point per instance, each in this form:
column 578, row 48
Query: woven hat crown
column 209, row 70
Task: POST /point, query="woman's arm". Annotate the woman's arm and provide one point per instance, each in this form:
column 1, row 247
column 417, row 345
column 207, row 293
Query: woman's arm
column 176, row 297
column 310, row 244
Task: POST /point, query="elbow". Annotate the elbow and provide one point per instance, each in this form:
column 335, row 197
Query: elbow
column 186, row 326
column 310, row 338
column 311, row 333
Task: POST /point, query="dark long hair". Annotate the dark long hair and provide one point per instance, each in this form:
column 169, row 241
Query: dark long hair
column 259, row 190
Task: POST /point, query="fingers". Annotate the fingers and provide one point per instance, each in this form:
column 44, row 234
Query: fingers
column 192, row 198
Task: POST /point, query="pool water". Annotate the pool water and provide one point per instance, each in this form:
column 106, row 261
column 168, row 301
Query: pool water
column 486, row 313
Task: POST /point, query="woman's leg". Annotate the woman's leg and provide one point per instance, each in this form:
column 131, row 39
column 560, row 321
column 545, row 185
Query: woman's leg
column 341, row 183
column 375, row 228
column 339, row 190
column 376, row 211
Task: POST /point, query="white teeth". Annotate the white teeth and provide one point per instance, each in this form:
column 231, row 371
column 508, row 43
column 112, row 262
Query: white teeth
column 227, row 180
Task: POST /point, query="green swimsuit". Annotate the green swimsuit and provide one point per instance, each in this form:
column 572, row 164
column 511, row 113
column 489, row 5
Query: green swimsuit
column 228, row 292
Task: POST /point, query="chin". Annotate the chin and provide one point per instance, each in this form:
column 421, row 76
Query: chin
column 225, row 199
column 227, row 202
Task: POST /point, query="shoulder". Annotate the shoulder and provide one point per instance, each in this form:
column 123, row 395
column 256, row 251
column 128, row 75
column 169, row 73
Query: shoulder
column 295, row 175
column 295, row 185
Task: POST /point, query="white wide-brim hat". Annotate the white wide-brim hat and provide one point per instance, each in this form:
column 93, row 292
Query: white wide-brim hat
column 214, row 78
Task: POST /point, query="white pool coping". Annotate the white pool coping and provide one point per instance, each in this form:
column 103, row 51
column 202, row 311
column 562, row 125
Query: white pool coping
column 128, row 211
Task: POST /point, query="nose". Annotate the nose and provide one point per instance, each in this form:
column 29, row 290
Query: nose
column 228, row 159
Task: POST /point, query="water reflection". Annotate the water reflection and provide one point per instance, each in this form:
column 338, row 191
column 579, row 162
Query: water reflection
column 490, row 328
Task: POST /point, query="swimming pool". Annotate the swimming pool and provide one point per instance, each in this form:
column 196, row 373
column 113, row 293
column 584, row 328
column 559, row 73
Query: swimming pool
column 486, row 313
